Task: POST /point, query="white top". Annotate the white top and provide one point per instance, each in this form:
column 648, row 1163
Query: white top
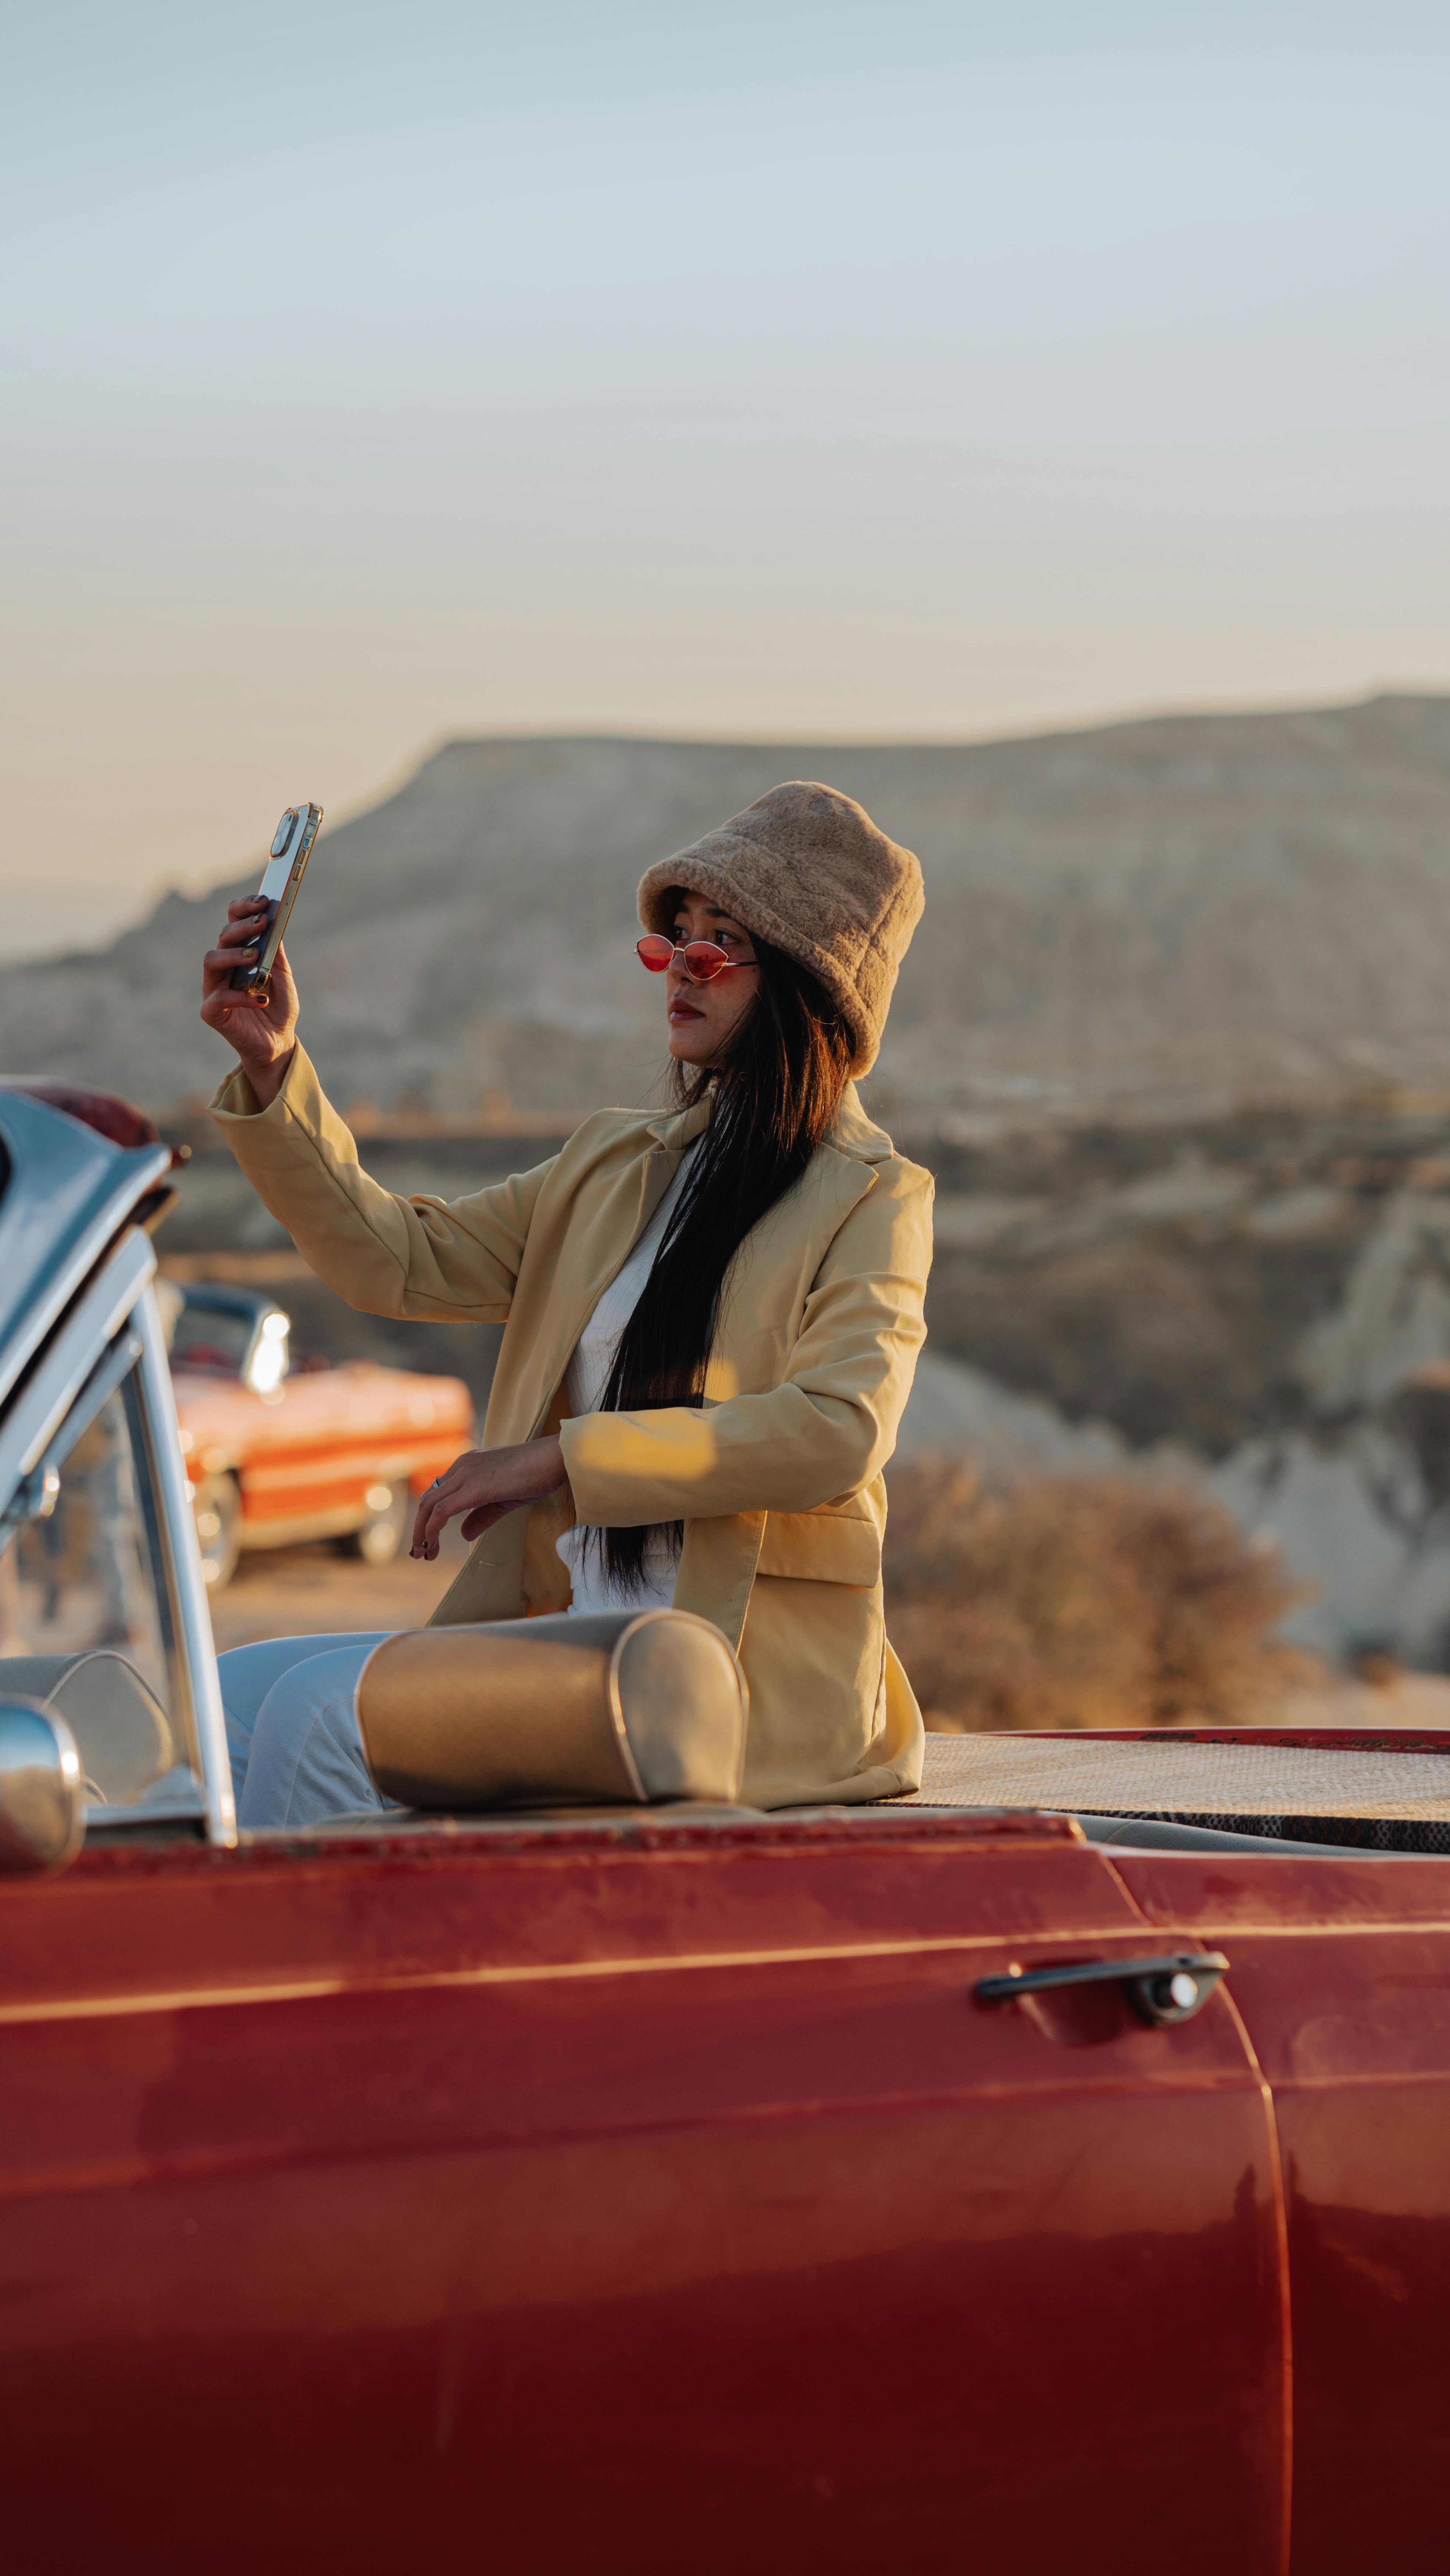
column 585, row 1380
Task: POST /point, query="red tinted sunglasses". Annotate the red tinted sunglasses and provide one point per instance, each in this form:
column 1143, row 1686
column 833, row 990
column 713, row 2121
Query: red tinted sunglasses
column 701, row 959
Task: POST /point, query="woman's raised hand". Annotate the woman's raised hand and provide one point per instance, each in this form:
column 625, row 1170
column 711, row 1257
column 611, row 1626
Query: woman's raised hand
column 262, row 1027
column 486, row 1483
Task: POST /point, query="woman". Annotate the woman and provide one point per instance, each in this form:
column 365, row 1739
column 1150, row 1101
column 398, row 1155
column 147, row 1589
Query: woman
column 711, row 1318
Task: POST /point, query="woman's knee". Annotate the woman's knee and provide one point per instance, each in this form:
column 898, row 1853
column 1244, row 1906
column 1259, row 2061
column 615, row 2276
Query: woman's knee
column 306, row 1755
column 246, row 1674
column 250, row 1674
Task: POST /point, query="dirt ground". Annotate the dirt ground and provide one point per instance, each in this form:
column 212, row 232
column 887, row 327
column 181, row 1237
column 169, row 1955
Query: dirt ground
column 312, row 1591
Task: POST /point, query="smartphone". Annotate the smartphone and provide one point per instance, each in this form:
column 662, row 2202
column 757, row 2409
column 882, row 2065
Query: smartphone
column 290, row 851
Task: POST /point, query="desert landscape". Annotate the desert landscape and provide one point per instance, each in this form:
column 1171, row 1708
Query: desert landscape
column 1174, row 914
column 1175, row 1041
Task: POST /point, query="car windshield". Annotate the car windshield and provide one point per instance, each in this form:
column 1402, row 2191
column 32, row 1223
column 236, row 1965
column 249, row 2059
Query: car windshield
column 86, row 1620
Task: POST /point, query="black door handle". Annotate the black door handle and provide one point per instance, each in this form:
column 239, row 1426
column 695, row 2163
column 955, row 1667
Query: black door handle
column 1163, row 1990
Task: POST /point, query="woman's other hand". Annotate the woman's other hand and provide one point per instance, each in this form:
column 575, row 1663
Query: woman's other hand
column 262, row 1027
column 484, row 1484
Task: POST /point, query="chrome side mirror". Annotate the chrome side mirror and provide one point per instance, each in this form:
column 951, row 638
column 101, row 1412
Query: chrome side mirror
column 42, row 1791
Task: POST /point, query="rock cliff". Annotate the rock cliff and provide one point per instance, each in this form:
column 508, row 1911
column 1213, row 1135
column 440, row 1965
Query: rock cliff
column 1185, row 909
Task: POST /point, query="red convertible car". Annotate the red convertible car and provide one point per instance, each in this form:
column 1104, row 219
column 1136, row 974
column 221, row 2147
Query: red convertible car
column 1053, row 2172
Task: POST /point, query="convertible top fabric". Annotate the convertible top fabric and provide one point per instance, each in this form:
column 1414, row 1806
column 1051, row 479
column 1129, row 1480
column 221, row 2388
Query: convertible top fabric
column 1372, row 1795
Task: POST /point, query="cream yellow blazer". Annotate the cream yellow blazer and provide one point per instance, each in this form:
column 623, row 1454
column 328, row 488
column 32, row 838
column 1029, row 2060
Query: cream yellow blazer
column 777, row 1477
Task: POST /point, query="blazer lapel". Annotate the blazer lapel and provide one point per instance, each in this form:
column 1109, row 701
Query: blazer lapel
column 598, row 1256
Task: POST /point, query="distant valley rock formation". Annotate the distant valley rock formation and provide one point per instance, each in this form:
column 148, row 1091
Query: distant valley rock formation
column 1188, row 909
column 1175, row 1037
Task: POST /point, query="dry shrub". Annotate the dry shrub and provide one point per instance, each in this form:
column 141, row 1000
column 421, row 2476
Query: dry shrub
column 1079, row 1604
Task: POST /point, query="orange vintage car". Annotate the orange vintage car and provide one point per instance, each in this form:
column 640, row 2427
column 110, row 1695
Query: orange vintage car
column 274, row 1457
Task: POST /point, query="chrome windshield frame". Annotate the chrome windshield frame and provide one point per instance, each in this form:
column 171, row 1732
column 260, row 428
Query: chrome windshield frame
column 188, row 1589
column 81, row 1338
column 119, row 1305
column 103, row 1183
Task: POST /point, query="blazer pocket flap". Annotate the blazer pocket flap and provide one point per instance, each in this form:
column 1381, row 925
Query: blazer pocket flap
column 820, row 1547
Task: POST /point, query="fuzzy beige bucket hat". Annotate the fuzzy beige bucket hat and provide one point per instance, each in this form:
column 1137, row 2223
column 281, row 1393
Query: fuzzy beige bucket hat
column 806, row 870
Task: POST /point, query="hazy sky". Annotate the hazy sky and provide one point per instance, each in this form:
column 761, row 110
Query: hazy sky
column 372, row 373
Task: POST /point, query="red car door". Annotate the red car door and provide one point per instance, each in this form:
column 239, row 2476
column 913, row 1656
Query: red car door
column 1341, row 1969
column 628, row 2196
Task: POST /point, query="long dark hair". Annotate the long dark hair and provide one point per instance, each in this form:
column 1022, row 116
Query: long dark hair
column 773, row 1100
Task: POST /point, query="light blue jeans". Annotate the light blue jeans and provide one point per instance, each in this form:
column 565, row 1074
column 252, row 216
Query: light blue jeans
column 292, row 1734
